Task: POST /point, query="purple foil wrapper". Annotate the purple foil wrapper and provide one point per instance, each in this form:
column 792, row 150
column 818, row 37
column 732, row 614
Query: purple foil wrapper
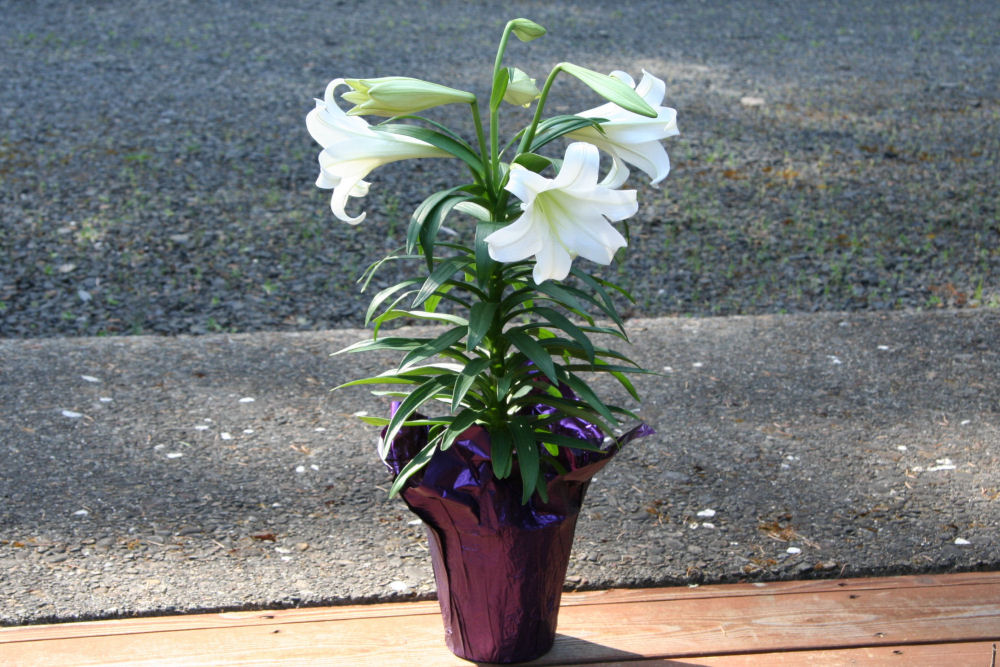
column 499, row 564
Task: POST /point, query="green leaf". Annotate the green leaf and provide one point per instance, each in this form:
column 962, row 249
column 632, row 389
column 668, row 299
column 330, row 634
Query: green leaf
column 459, row 424
column 430, row 209
column 477, row 211
column 500, row 82
column 533, row 162
column 423, row 315
column 480, row 321
column 441, row 273
column 560, row 321
column 433, row 347
column 415, row 464
column 466, row 379
column 409, row 405
column 534, row 352
column 392, row 343
column 459, row 149
column 527, row 460
column 382, row 296
column 501, row 447
column 484, row 263
column 551, row 129
column 611, row 89
column 583, row 390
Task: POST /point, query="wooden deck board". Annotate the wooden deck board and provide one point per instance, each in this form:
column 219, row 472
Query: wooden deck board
column 919, row 618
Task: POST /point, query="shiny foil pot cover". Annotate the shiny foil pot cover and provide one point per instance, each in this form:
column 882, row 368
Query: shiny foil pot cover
column 499, row 564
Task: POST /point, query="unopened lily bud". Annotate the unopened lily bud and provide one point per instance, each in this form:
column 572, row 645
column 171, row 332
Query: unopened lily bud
column 526, row 29
column 521, row 89
column 399, row 95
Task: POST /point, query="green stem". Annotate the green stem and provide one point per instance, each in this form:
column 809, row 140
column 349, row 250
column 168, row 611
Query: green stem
column 481, row 138
column 529, row 134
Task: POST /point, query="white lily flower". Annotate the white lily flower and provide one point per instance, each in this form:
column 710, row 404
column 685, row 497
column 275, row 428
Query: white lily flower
column 564, row 217
column 630, row 137
column 352, row 149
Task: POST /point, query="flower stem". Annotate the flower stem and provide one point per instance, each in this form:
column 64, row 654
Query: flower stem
column 529, row 134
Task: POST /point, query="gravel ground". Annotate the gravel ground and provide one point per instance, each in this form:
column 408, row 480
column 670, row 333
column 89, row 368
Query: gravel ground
column 149, row 475
column 156, row 175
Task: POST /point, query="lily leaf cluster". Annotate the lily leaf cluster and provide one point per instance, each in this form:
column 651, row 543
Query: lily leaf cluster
column 520, row 326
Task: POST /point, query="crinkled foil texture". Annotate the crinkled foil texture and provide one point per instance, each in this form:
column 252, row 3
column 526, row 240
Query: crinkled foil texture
column 499, row 564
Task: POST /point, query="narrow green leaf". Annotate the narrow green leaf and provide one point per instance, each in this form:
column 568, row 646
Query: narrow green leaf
column 415, row 464
column 551, row 129
column 441, row 273
column 434, row 346
column 533, row 162
column 500, row 82
column 459, row 424
column 465, row 380
column 534, row 352
column 611, row 89
column 485, row 264
column 477, row 211
column 459, row 149
column 382, row 296
column 409, row 405
column 480, row 321
column 393, row 343
column 501, row 447
column 423, row 315
column 560, row 321
column 527, row 459
column 585, row 393
column 428, row 232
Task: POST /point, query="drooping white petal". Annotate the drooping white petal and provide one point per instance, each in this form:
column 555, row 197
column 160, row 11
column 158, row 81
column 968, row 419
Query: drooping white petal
column 564, row 217
column 630, row 137
column 352, row 149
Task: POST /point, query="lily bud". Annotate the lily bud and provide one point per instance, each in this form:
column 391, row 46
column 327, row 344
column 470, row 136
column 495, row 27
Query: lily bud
column 526, row 29
column 399, row 95
column 521, row 89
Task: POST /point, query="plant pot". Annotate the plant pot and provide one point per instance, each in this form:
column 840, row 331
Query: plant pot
column 499, row 564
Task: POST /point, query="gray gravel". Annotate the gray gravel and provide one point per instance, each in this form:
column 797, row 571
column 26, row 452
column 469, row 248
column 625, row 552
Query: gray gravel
column 156, row 175
column 139, row 476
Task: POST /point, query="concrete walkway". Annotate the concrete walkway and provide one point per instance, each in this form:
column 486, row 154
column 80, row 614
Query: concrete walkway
column 147, row 475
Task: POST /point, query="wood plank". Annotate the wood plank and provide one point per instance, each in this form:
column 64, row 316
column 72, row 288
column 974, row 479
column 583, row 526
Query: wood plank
column 979, row 654
column 629, row 628
column 610, row 596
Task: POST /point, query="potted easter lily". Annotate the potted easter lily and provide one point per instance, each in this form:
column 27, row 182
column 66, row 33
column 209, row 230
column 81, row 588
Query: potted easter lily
column 495, row 432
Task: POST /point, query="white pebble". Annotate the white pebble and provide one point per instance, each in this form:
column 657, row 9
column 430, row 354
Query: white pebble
column 901, row 448
column 399, row 586
column 707, row 513
column 793, row 550
column 834, row 359
column 105, row 399
column 942, row 464
column 668, row 369
column 706, row 524
column 286, row 558
column 81, row 513
column 884, row 348
column 319, row 429
column 360, row 413
column 89, row 378
column 201, row 427
column 300, row 469
column 697, row 364
column 248, row 431
column 415, row 522
column 965, row 422
column 314, row 466
column 71, row 414
column 247, row 399
column 961, row 541
column 174, row 455
column 226, row 436
column 751, row 101
column 282, row 550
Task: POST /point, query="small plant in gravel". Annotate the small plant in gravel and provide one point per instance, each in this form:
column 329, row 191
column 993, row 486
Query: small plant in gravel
column 519, row 313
